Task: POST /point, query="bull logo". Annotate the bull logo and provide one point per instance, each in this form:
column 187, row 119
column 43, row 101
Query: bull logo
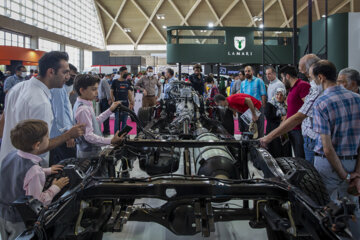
column 239, row 43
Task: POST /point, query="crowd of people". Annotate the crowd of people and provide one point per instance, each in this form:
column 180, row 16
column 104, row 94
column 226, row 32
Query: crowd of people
column 49, row 116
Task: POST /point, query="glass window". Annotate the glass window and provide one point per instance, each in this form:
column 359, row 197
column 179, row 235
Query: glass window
column 27, row 42
column 47, row 46
column 74, row 55
column 87, row 59
column 79, row 16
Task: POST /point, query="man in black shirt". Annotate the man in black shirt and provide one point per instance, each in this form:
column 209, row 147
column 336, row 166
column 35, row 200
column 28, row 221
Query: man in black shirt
column 121, row 91
column 197, row 80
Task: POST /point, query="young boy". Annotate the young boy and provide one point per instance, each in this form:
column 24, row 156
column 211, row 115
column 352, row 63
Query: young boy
column 21, row 174
column 90, row 144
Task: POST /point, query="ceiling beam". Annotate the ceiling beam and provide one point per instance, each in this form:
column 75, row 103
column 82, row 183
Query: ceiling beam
column 284, row 13
column 302, row 8
column 149, row 21
column 227, row 11
column 267, row 7
column 183, row 20
column 213, row 11
column 100, row 22
column 190, row 12
column 317, row 9
column 352, row 6
column 152, row 24
column 116, row 23
column 249, row 13
column 339, row 7
column 115, row 19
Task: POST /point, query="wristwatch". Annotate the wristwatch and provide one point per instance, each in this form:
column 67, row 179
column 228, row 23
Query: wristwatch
column 348, row 176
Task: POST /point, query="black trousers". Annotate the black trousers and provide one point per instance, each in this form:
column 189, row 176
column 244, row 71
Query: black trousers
column 243, row 127
column 60, row 153
column 104, row 105
column 297, row 142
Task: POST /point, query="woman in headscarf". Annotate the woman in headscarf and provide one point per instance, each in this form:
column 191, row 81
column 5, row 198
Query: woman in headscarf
column 275, row 113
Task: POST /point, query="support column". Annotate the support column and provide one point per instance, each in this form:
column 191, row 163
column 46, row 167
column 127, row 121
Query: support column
column 81, row 62
column 310, row 26
column 34, row 42
column 326, row 29
column 62, row 47
column 295, row 39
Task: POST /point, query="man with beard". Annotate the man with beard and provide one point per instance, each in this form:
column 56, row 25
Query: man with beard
column 63, row 120
column 254, row 87
column 197, row 79
column 32, row 100
column 303, row 116
column 298, row 90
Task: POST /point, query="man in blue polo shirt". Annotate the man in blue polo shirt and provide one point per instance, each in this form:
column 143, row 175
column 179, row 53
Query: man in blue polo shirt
column 19, row 76
column 255, row 87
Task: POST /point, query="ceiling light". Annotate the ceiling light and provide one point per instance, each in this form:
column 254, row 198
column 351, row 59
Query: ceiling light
column 323, row 16
column 256, row 19
column 164, row 26
column 211, row 24
column 160, row 16
column 261, row 26
column 127, row 29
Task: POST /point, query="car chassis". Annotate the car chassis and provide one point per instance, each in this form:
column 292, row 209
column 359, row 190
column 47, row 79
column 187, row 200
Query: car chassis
column 98, row 200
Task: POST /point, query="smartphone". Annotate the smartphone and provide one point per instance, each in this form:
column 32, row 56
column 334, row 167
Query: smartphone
column 126, row 130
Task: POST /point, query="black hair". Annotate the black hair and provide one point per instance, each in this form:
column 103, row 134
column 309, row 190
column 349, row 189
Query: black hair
column 149, row 67
column 291, row 70
column 31, row 70
column 18, row 68
column 209, row 79
column 271, row 68
column 125, row 75
column 219, row 97
column 325, row 68
column 242, row 72
column 170, row 71
column 51, row 60
column 84, row 81
column 122, row 69
column 72, row 68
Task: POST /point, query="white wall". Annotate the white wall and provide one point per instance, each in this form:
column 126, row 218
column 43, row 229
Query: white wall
column 354, row 40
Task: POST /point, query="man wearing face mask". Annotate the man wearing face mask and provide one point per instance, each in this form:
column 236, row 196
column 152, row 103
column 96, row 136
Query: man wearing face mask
column 19, row 76
column 304, row 115
column 197, row 80
column 147, row 84
column 63, row 120
column 350, row 79
column 337, row 150
column 121, row 91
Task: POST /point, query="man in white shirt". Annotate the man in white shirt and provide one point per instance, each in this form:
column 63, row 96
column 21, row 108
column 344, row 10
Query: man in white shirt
column 32, row 100
column 274, row 82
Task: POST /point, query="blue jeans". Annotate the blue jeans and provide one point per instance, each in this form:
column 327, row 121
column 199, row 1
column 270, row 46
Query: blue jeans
column 337, row 188
column 120, row 118
column 309, row 145
column 297, row 143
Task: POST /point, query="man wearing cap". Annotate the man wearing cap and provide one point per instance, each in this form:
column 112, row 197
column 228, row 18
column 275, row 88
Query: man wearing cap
column 197, row 79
